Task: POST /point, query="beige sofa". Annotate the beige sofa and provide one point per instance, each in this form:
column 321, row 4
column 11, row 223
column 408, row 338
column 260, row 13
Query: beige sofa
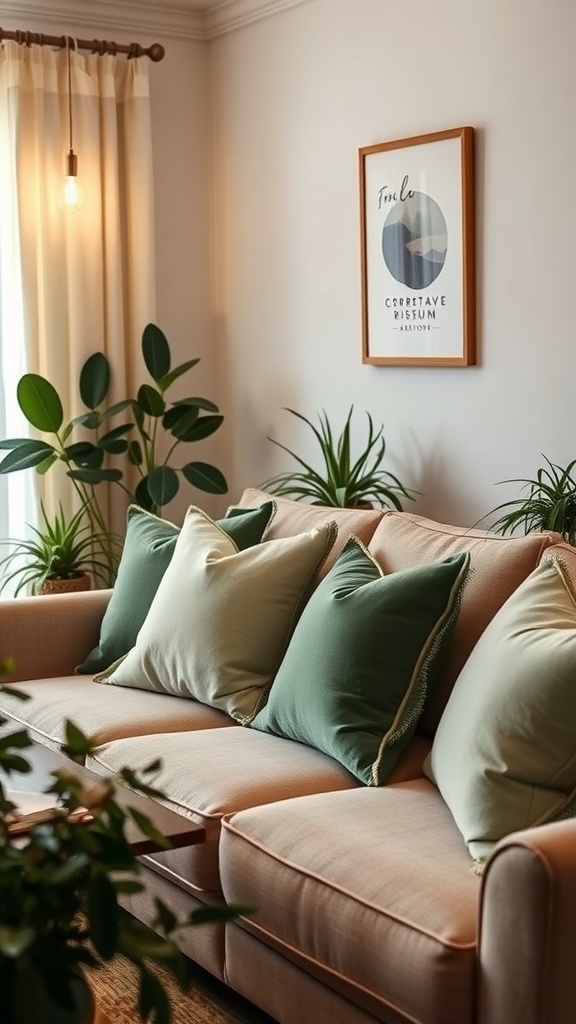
column 368, row 907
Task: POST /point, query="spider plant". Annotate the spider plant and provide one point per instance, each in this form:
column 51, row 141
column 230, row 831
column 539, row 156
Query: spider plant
column 550, row 503
column 60, row 548
column 343, row 481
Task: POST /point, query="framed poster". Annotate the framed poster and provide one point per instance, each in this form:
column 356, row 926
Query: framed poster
column 417, row 250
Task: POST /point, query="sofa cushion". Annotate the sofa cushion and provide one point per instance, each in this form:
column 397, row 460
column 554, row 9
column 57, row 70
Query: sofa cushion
column 504, row 755
column 105, row 716
column 365, row 651
column 297, row 516
column 221, row 618
column 378, row 899
column 208, row 774
column 148, row 548
column 497, row 566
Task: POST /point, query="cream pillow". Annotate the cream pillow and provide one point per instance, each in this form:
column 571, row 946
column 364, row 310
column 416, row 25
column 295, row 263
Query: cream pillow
column 504, row 755
column 221, row 618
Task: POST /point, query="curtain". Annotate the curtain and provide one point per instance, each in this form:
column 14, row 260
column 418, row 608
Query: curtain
column 87, row 278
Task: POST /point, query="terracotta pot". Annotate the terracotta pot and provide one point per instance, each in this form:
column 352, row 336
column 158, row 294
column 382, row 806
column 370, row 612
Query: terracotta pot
column 66, row 586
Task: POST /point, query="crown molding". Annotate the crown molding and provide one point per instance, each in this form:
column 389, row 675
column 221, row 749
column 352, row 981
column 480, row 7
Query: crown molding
column 170, row 18
column 106, row 16
column 234, row 14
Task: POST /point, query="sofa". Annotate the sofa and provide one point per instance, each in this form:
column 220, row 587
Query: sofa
column 370, row 903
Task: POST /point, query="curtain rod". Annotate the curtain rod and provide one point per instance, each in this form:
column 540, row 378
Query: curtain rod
column 100, row 46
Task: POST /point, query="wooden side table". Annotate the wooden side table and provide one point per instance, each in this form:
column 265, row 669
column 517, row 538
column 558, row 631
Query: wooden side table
column 178, row 829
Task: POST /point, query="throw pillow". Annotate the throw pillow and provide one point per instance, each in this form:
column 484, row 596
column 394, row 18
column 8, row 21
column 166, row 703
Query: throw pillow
column 148, row 549
column 221, row 618
column 504, row 756
column 361, row 661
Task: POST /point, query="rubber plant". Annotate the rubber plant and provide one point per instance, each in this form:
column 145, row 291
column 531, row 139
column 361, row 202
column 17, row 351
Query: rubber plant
column 549, row 503
column 344, row 480
column 149, row 439
column 60, row 886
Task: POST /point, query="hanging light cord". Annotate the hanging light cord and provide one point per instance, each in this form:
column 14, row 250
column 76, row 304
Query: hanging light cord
column 69, row 94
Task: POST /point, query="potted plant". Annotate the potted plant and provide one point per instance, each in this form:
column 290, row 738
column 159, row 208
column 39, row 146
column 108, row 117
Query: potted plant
column 89, row 447
column 59, row 890
column 62, row 555
column 344, row 481
column 549, row 504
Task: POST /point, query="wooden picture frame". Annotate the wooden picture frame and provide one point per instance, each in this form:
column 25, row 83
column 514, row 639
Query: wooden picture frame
column 417, row 250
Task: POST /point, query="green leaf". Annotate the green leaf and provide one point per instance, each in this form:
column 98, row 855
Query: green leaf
column 117, row 447
column 94, row 380
column 156, row 352
column 45, row 465
column 163, row 485
column 95, row 476
column 103, row 915
column 135, row 455
column 143, row 496
column 150, row 400
column 78, row 744
column 8, row 665
column 13, row 763
column 85, row 454
column 40, row 402
column 15, row 740
column 203, row 427
column 14, row 442
column 70, row 870
column 90, row 420
column 130, row 778
column 128, row 886
column 165, row 917
column 199, row 403
column 152, row 999
column 205, row 477
column 226, row 913
column 178, row 415
column 119, row 407
column 32, row 453
column 148, row 828
column 116, row 432
column 168, row 379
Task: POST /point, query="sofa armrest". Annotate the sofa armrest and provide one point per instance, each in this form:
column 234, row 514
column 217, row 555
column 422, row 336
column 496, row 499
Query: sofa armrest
column 527, row 916
column 50, row 635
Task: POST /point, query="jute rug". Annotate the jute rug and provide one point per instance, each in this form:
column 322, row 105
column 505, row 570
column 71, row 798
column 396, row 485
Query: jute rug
column 207, row 1001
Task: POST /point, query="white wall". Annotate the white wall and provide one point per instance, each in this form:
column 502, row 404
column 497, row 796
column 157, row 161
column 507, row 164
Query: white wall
column 293, row 98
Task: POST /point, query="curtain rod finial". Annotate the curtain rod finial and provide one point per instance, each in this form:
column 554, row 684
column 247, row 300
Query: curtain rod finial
column 156, row 52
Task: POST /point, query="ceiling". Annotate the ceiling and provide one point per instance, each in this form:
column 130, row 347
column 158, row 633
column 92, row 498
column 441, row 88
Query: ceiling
column 193, row 19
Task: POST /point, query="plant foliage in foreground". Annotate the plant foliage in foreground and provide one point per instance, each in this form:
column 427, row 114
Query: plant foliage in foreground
column 344, row 481
column 550, row 503
column 59, row 890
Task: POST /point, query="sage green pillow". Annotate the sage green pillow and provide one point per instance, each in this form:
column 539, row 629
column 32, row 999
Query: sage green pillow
column 504, row 755
column 148, row 549
column 362, row 659
column 221, row 618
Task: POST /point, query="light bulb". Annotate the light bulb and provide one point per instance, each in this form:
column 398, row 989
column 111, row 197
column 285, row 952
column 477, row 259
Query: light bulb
column 71, row 196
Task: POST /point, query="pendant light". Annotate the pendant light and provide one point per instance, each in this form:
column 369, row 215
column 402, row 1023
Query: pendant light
column 71, row 195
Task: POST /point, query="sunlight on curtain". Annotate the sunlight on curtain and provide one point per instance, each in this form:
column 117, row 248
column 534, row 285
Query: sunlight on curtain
column 88, row 278
column 17, row 494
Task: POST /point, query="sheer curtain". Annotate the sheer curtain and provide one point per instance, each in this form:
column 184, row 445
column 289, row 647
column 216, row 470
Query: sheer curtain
column 72, row 283
column 17, row 499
